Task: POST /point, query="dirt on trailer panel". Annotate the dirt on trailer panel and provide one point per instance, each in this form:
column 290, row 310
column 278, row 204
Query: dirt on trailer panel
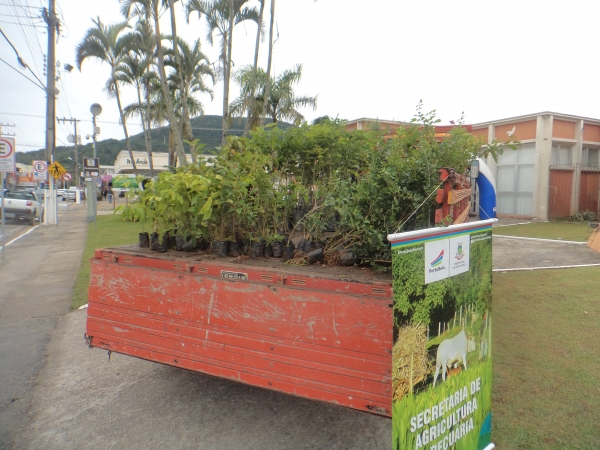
column 320, row 334
column 359, row 274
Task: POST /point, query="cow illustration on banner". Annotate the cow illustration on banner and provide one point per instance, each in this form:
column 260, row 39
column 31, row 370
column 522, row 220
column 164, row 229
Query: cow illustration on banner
column 441, row 358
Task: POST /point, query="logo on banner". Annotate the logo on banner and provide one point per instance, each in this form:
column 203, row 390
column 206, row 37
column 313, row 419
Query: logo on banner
column 460, row 248
column 438, row 261
column 459, row 252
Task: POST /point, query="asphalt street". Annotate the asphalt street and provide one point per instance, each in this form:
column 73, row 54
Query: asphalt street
column 55, row 393
column 36, row 281
column 14, row 228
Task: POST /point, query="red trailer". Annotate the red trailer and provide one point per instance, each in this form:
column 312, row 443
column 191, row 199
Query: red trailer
column 314, row 332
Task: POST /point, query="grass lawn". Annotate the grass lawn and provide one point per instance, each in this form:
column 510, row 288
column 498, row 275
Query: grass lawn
column 566, row 231
column 111, row 230
column 546, row 361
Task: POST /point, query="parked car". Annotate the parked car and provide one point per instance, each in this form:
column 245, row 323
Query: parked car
column 72, row 193
column 22, row 205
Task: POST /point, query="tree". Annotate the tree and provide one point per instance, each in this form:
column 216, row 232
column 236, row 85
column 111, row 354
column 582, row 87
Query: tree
column 221, row 16
column 192, row 68
column 135, row 69
column 186, row 128
column 282, row 104
column 107, row 43
column 252, row 86
column 269, row 60
column 153, row 9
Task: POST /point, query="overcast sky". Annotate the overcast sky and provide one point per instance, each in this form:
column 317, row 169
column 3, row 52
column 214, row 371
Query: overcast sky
column 376, row 59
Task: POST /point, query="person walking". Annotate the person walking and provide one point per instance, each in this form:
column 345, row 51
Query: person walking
column 110, row 194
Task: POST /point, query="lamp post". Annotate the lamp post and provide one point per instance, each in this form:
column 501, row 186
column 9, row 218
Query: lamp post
column 96, row 110
column 91, row 186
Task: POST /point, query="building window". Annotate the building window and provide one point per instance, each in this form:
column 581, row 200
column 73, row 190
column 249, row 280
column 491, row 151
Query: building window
column 515, row 177
column 590, row 157
column 561, row 155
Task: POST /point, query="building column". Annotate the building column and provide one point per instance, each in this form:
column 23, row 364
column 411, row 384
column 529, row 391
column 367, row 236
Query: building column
column 577, row 161
column 490, row 161
column 543, row 152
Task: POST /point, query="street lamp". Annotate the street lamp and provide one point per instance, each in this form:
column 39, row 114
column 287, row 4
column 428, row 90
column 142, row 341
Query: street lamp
column 96, row 110
column 91, row 193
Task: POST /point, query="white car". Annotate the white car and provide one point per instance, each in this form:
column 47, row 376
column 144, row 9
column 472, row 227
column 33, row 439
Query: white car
column 22, row 205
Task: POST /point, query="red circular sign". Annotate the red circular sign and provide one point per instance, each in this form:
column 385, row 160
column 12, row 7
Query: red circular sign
column 67, row 176
column 40, row 166
column 6, row 148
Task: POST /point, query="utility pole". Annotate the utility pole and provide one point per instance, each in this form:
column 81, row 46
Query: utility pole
column 52, row 21
column 75, row 141
column 6, row 125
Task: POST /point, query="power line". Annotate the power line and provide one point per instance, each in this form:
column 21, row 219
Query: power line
column 23, row 75
column 22, row 63
column 23, row 115
column 20, row 17
column 23, row 25
column 21, row 6
column 22, row 140
column 28, row 34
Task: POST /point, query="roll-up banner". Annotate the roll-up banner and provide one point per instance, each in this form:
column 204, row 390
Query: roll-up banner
column 441, row 358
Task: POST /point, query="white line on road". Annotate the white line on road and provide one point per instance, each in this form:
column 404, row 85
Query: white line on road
column 19, row 237
column 511, row 224
column 539, row 239
column 544, row 268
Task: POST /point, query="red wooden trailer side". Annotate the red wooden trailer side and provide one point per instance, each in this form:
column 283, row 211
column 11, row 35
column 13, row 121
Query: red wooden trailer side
column 306, row 334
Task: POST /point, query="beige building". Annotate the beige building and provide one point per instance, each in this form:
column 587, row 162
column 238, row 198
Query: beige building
column 556, row 170
column 160, row 162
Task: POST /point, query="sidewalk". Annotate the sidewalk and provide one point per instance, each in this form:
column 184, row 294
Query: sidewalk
column 37, row 280
column 108, row 208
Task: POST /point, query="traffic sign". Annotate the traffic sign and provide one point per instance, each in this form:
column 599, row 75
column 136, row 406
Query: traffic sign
column 7, row 154
column 56, row 170
column 67, row 176
column 40, row 170
column 91, row 167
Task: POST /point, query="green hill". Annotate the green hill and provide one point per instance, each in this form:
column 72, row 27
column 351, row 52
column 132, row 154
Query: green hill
column 205, row 128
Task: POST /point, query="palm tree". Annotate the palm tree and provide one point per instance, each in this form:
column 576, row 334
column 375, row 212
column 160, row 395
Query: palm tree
column 153, row 9
column 132, row 71
column 107, row 43
column 221, row 16
column 192, row 68
column 269, row 59
column 282, row 103
column 144, row 49
column 187, row 127
column 259, row 31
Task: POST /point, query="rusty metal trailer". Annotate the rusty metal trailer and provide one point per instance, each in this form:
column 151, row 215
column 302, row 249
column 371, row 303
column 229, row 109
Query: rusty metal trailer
column 306, row 331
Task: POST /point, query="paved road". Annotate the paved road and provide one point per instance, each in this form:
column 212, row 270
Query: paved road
column 36, row 282
column 14, row 228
